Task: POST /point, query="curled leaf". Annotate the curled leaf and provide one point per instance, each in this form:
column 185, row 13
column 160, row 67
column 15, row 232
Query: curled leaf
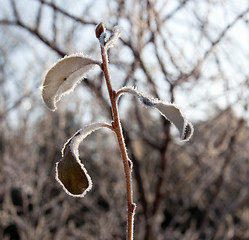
column 70, row 172
column 113, row 38
column 168, row 110
column 64, row 76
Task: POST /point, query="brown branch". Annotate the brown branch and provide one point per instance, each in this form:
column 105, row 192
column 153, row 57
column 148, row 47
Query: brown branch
column 163, row 168
column 35, row 33
column 195, row 69
column 171, row 14
column 223, row 33
column 17, row 103
column 54, row 25
column 218, row 182
column 143, row 67
column 38, row 18
column 97, row 91
column 238, row 203
column 80, row 20
column 146, row 138
column 100, row 29
column 159, row 195
column 15, row 10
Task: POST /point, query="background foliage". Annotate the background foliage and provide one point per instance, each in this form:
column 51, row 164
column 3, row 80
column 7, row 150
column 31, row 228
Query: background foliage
column 193, row 53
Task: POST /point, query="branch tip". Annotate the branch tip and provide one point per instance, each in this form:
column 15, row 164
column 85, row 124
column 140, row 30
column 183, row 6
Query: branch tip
column 100, row 28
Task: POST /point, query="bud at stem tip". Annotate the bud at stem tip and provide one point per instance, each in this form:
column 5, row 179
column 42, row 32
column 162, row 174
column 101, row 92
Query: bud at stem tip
column 100, row 28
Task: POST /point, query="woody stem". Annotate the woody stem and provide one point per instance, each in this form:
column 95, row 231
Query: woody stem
column 118, row 131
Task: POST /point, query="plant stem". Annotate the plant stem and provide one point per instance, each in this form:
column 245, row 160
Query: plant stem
column 118, row 131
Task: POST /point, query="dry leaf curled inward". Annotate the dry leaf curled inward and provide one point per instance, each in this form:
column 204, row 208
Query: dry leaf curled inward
column 168, row 110
column 70, row 172
column 64, row 76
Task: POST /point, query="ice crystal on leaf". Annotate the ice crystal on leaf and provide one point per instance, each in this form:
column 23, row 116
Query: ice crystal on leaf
column 168, row 110
column 70, row 172
column 64, row 76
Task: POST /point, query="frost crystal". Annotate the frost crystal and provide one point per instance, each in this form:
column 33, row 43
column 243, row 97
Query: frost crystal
column 62, row 78
column 168, row 110
column 70, row 172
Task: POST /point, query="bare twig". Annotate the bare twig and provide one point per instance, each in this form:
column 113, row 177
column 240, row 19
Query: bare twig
column 159, row 193
column 218, row 182
column 118, row 131
column 58, row 9
column 15, row 10
column 195, row 69
column 38, row 17
column 35, row 33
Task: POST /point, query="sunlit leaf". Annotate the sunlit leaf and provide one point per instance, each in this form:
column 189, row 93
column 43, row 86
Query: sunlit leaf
column 64, row 76
column 113, row 38
column 70, row 172
column 168, row 110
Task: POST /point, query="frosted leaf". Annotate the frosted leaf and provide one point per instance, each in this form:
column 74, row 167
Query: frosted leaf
column 64, row 76
column 113, row 38
column 168, row 110
column 70, row 172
